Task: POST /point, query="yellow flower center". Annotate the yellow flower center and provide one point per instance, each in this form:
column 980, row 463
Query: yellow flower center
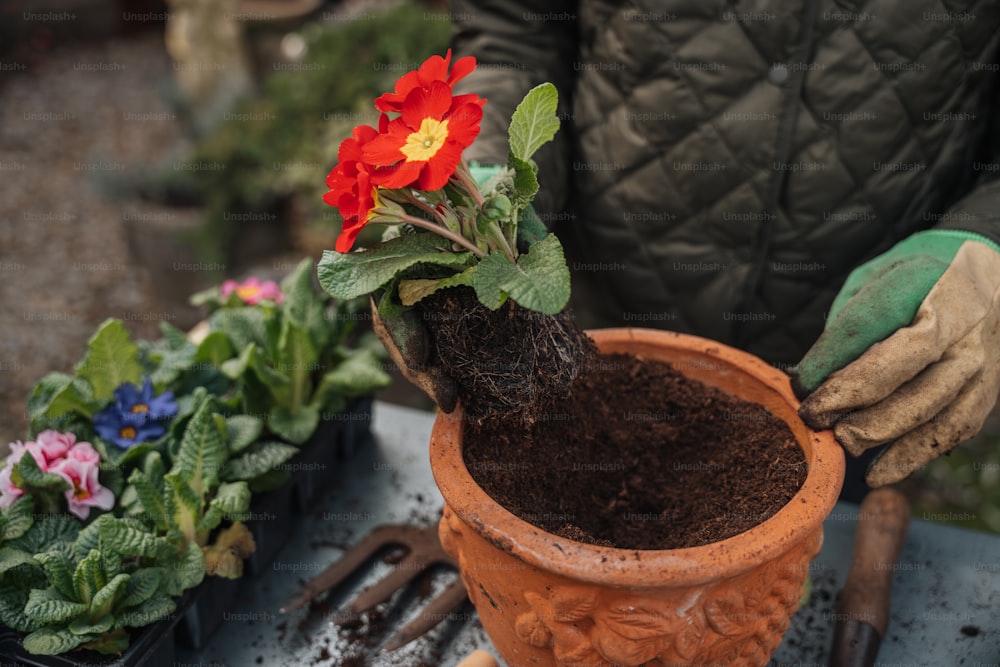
column 80, row 493
column 247, row 292
column 127, row 432
column 423, row 144
column 140, row 407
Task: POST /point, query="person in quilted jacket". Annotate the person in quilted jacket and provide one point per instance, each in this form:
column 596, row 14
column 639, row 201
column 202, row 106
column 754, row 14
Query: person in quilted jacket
column 815, row 182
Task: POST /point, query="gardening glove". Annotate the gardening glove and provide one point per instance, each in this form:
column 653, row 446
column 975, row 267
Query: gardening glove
column 408, row 343
column 910, row 354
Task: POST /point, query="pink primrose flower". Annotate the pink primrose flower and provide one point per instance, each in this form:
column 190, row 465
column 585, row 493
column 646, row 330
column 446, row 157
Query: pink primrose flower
column 252, row 290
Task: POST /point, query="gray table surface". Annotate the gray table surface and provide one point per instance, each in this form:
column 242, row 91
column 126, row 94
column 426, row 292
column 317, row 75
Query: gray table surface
column 945, row 601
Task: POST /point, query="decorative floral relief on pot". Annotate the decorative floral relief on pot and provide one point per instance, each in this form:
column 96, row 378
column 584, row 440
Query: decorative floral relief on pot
column 737, row 621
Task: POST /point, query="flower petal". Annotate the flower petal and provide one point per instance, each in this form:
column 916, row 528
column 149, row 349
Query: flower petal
column 432, row 102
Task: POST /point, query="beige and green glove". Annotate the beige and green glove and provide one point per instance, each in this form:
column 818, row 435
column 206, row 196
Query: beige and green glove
column 911, row 353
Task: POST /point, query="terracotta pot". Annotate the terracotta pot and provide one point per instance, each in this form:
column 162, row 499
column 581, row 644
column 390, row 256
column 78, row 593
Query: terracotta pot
column 546, row 600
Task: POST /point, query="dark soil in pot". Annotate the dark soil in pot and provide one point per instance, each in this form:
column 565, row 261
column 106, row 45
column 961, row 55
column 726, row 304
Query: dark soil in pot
column 638, row 456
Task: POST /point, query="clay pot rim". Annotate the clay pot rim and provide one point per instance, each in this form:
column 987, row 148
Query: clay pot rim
column 635, row 568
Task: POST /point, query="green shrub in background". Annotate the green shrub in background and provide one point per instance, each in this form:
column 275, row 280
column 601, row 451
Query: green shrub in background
column 283, row 144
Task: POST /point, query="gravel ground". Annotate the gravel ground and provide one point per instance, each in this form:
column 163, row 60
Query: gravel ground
column 66, row 127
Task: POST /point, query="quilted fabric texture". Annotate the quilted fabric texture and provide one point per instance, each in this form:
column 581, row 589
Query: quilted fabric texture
column 726, row 164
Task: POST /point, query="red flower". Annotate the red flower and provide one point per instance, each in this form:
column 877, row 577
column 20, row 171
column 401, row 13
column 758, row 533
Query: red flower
column 351, row 189
column 424, row 145
column 433, row 69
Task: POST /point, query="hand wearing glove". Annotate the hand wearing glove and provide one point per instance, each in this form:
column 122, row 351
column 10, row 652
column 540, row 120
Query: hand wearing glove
column 406, row 338
column 910, row 354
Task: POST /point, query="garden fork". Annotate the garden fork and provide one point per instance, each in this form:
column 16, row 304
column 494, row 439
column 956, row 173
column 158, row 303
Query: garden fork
column 423, row 551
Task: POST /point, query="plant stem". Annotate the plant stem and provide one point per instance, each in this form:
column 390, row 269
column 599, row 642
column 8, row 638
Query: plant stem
column 437, row 229
column 464, row 177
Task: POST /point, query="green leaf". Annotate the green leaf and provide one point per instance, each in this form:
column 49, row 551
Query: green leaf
column 181, row 575
column 353, row 274
column 359, row 374
column 15, row 586
column 59, row 570
column 83, row 626
column 111, row 360
column 214, row 349
column 127, row 538
column 304, row 304
column 257, row 460
column 202, row 451
column 295, row 428
column 413, row 290
column 150, row 496
column 525, row 182
column 48, row 606
column 104, row 601
column 174, row 337
column 143, row 583
column 243, row 326
column 154, row 610
column 88, row 578
column 232, row 498
column 539, row 281
column 109, row 643
column 47, row 532
column 27, row 473
column 89, row 539
column 242, row 431
column 184, row 506
column 56, row 395
column 297, row 359
column 18, row 518
column 252, row 359
column 52, row 641
column 534, row 122
column 12, row 558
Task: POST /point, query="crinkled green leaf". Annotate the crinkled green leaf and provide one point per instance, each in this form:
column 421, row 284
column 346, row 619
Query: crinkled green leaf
column 88, row 578
column 51, row 641
column 298, row 359
column 525, row 182
column 59, row 570
column 304, row 304
column 150, row 495
column 539, row 281
column 83, row 626
column 46, row 532
column 260, row 458
column 202, row 451
column 26, row 473
column 232, row 498
column 15, row 586
column 57, row 394
column 242, row 431
column 47, row 605
column 12, row 558
column 185, row 573
column 154, row 610
column 129, row 538
column 17, row 518
column 534, row 122
column 105, row 599
column 184, row 507
column 214, row 349
column 359, row 374
column 175, row 338
column 243, row 326
column 109, row 643
column 413, row 290
column 353, row 274
column 143, row 583
column 111, row 360
column 295, row 428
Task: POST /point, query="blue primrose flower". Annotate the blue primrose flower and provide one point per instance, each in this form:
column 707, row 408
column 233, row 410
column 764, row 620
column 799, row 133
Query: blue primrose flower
column 136, row 415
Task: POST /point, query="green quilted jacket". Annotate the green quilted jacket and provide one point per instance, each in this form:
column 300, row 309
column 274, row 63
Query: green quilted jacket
column 722, row 166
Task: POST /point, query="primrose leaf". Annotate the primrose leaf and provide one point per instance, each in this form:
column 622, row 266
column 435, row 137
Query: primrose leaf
column 59, row 570
column 57, row 394
column 243, row 326
column 413, row 290
column 539, row 281
column 111, row 359
column 104, row 600
column 47, row 605
column 295, row 428
column 27, row 472
column 17, row 518
column 150, row 496
column 51, row 641
column 214, row 349
column 525, row 181
column 127, row 538
column 303, row 303
column 202, row 451
column 360, row 373
column 534, row 122
column 47, row 532
column 242, row 431
column 88, row 578
column 353, row 274
column 143, row 583
column 259, row 459
column 155, row 609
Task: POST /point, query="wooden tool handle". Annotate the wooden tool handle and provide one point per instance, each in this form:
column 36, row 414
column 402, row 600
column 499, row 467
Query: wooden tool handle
column 883, row 521
column 479, row 659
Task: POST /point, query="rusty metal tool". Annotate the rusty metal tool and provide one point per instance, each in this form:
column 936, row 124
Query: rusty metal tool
column 423, row 550
column 862, row 615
